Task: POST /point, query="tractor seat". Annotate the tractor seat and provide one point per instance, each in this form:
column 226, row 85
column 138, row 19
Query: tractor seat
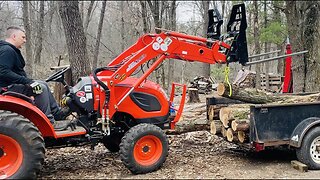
column 19, row 95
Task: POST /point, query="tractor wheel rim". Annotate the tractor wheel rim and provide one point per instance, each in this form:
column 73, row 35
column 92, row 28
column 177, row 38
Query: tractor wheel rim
column 147, row 150
column 10, row 156
column 315, row 150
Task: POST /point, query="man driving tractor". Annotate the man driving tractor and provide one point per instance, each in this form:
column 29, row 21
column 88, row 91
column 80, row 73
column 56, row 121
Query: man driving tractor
column 14, row 78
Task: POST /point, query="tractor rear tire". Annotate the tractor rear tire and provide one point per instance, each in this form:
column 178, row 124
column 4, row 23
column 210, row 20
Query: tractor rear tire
column 22, row 147
column 309, row 151
column 144, row 148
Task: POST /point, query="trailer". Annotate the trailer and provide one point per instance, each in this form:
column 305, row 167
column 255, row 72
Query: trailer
column 295, row 126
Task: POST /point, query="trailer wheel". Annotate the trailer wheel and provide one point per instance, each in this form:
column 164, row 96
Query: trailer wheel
column 21, row 147
column 309, row 152
column 144, row 148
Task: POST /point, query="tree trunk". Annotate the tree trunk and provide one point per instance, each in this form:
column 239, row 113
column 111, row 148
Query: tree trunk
column 256, row 42
column 295, row 17
column 28, row 46
column 256, row 96
column 205, row 18
column 312, row 44
column 249, row 95
column 96, row 51
column 51, row 11
column 88, row 17
column 144, row 16
column 122, row 34
column 75, row 38
column 172, row 19
column 40, row 27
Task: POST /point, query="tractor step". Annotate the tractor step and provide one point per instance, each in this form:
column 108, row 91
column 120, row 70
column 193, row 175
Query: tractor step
column 78, row 130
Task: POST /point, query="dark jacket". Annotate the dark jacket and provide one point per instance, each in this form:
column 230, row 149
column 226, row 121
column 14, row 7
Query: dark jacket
column 11, row 66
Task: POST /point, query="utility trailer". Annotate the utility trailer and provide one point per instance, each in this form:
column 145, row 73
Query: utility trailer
column 294, row 125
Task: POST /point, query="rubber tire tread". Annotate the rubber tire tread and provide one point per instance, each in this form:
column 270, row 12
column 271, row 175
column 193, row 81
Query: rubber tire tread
column 128, row 142
column 30, row 140
column 303, row 153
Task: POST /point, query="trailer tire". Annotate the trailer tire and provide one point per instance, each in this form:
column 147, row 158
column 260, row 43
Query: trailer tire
column 144, row 148
column 21, row 147
column 309, row 151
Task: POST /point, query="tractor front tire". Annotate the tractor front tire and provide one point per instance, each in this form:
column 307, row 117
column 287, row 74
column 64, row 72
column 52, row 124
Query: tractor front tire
column 309, row 151
column 144, row 148
column 21, row 147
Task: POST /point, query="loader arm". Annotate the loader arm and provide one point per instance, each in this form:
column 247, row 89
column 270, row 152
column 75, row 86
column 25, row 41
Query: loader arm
column 157, row 48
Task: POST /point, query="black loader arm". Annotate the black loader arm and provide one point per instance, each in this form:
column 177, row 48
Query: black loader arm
column 214, row 25
column 236, row 31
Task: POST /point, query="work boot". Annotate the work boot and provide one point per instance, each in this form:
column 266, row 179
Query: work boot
column 61, row 125
column 63, row 113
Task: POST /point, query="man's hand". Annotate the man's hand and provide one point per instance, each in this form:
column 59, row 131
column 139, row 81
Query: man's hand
column 36, row 87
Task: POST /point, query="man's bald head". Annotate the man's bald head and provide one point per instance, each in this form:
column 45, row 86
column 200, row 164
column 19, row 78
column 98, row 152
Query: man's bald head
column 16, row 36
column 11, row 30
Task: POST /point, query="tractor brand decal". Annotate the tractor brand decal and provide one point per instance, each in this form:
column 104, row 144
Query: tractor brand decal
column 156, row 46
column 134, row 63
column 80, row 94
column 89, row 96
column 83, row 99
column 87, row 88
column 167, row 41
column 159, row 40
column 162, row 44
column 164, row 47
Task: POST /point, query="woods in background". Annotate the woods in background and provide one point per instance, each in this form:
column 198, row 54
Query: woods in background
column 89, row 34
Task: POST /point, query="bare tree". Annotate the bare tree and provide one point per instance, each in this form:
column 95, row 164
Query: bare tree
column 205, row 18
column 173, row 25
column 28, row 46
column 75, row 38
column 96, row 51
column 256, row 41
column 39, row 37
column 88, row 17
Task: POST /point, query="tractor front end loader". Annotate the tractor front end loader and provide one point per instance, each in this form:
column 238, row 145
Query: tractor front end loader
column 127, row 114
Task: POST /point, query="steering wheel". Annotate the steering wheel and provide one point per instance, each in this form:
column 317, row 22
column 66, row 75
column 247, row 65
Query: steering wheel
column 58, row 76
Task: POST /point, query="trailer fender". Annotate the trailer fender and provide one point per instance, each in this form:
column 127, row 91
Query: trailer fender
column 301, row 130
column 29, row 111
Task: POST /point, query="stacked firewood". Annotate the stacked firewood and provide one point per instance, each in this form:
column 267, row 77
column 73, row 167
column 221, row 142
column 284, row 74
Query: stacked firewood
column 232, row 121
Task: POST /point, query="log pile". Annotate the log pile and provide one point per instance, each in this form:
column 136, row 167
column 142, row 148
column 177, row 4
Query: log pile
column 233, row 121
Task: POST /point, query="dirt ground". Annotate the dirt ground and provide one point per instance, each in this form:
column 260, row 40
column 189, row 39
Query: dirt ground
column 193, row 155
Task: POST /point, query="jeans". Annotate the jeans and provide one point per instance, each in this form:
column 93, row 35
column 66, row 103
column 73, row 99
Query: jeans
column 46, row 102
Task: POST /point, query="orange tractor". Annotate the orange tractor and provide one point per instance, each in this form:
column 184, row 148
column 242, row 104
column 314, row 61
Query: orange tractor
column 125, row 113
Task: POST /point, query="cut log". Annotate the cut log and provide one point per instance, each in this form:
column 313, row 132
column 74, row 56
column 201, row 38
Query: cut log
column 223, row 131
column 227, row 114
column 193, row 95
column 242, row 136
column 231, row 135
column 215, row 127
column 240, row 125
column 256, row 96
column 249, row 95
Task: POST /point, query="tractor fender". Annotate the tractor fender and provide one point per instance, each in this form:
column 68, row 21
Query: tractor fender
column 301, row 130
column 29, row 111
